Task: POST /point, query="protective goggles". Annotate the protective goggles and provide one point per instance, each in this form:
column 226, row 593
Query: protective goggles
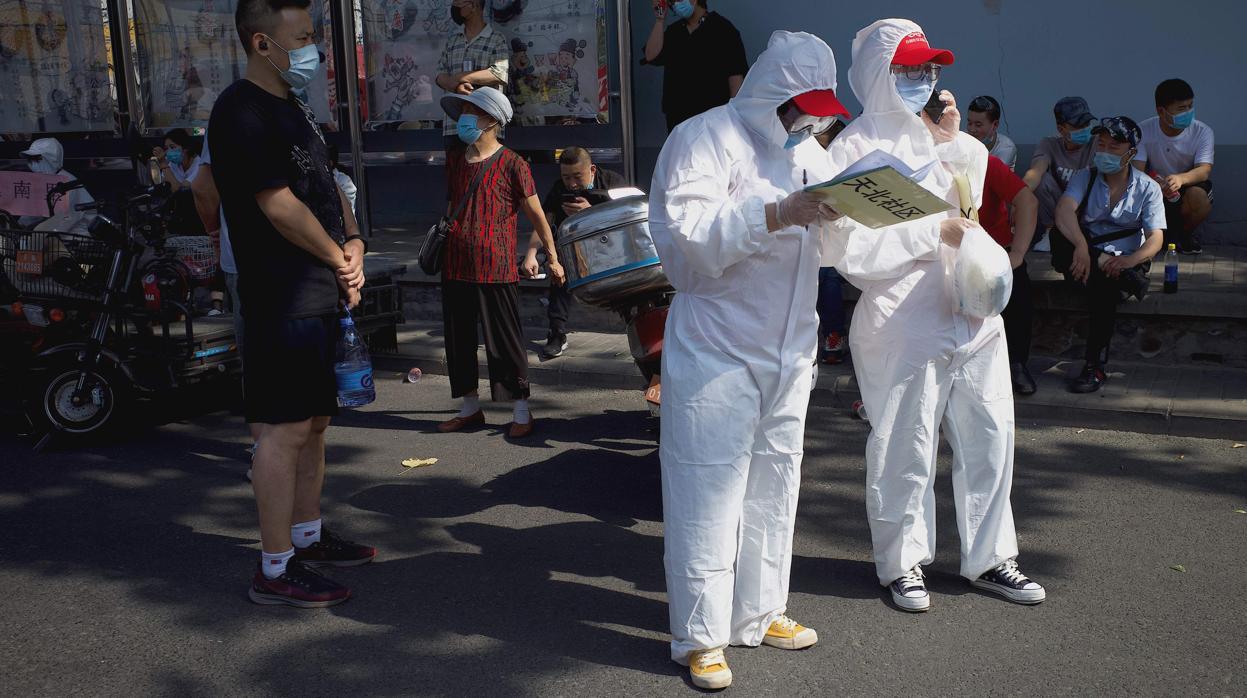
column 1120, row 128
column 919, row 72
column 800, row 121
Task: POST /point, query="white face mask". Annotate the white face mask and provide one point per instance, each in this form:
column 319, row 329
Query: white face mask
column 42, row 167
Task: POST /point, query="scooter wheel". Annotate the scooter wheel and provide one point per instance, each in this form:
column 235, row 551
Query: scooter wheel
column 97, row 407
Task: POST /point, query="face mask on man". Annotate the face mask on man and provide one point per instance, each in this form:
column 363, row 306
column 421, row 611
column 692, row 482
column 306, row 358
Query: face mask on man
column 468, row 128
column 1184, row 120
column 174, row 156
column 914, row 93
column 1081, row 136
column 683, row 9
column 1108, row 163
column 304, row 65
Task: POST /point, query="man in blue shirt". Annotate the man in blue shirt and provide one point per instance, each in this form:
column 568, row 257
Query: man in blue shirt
column 1114, row 217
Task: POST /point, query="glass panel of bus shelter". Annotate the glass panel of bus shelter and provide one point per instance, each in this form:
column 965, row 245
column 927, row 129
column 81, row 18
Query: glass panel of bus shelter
column 188, row 51
column 55, row 67
column 555, row 52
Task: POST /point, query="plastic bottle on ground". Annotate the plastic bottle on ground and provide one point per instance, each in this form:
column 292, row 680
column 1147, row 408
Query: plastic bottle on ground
column 1171, row 269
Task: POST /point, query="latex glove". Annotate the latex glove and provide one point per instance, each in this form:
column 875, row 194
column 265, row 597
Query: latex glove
column 799, row 209
column 952, row 230
column 950, row 123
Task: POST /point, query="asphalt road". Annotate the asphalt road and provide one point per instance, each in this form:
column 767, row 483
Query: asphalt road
column 536, row 569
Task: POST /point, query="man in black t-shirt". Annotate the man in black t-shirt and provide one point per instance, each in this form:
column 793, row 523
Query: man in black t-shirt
column 581, row 184
column 703, row 57
column 300, row 256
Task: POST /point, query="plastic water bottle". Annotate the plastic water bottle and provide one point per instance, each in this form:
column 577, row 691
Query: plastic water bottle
column 1171, row 269
column 353, row 369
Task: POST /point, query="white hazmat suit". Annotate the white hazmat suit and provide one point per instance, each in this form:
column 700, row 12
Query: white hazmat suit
column 920, row 364
column 53, row 160
column 739, row 350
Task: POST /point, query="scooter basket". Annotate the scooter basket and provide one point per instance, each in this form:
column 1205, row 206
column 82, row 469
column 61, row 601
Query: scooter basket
column 54, row 265
column 196, row 252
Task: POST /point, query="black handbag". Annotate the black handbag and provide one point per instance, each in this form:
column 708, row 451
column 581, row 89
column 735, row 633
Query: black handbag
column 433, row 249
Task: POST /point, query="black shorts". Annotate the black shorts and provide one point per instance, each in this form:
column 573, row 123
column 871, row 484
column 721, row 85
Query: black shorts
column 288, row 369
column 1206, row 185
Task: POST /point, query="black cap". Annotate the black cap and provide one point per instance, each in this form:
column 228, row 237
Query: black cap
column 1120, row 128
column 1073, row 111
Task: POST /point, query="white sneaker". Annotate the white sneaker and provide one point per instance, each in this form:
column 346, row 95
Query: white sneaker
column 1008, row 581
column 909, row 592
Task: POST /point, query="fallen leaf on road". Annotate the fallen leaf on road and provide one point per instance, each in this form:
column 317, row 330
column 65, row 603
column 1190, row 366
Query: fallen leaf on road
column 1080, row 431
column 1177, row 568
column 1237, row 445
column 1182, row 457
column 412, row 463
column 1240, row 511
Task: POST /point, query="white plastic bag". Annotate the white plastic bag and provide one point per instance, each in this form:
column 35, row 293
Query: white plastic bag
column 982, row 277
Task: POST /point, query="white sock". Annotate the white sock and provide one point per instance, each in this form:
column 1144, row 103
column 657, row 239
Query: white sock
column 521, row 415
column 306, row 533
column 471, row 405
column 274, row 564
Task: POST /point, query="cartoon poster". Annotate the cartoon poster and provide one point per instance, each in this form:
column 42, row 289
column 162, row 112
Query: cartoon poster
column 188, row 51
column 557, row 67
column 558, row 58
column 54, row 67
column 405, row 40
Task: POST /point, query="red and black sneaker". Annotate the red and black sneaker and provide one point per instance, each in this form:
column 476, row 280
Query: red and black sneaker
column 297, row 586
column 332, row 551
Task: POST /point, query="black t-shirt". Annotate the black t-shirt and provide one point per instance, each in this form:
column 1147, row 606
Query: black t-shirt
column 697, row 66
column 603, row 181
column 260, row 141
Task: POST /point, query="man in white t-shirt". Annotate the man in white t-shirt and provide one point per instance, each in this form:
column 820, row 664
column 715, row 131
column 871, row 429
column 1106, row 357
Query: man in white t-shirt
column 1177, row 151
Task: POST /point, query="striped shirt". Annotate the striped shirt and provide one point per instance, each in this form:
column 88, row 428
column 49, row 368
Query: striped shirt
column 487, row 50
column 481, row 245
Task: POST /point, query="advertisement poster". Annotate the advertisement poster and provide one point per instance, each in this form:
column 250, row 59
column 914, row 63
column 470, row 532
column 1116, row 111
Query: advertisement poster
column 188, row 51
column 557, row 67
column 54, row 67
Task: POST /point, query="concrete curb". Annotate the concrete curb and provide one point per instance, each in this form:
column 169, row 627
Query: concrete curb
column 1052, row 405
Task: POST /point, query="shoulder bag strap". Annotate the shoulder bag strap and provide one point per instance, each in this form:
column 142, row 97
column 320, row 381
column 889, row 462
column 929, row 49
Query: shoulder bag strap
column 476, row 181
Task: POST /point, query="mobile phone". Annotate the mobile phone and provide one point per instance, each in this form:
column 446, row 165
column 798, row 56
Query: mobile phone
column 935, row 107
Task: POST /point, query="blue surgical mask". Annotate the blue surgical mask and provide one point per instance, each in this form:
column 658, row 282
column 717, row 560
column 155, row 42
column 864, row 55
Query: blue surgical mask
column 304, row 65
column 1082, row 136
column 174, row 156
column 1107, row 163
column 1184, row 120
column 683, row 9
column 467, row 128
column 795, row 139
column 914, row 93
column 588, row 186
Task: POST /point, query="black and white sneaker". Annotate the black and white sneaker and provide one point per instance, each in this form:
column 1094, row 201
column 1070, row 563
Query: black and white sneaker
column 1008, row 581
column 909, row 592
column 556, row 344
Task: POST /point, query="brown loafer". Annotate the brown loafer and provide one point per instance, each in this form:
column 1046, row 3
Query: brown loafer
column 461, row 423
column 519, row 431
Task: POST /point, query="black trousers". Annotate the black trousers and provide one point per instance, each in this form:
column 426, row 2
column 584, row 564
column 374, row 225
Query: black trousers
column 496, row 308
column 559, row 308
column 1019, row 316
column 1103, row 296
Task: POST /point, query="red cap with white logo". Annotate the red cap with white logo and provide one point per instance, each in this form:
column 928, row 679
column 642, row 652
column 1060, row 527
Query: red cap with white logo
column 914, row 50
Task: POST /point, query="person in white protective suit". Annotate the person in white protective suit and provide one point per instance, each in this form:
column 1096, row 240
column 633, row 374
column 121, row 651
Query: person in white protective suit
column 729, row 219
column 922, row 365
column 47, row 156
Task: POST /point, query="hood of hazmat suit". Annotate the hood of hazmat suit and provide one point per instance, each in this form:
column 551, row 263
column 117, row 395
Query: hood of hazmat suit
column 53, row 160
column 921, row 364
column 739, row 348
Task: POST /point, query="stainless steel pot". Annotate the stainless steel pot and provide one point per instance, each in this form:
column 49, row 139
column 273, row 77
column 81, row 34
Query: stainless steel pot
column 609, row 255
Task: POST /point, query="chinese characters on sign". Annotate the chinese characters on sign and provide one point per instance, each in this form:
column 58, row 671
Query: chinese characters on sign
column 884, row 199
column 26, row 193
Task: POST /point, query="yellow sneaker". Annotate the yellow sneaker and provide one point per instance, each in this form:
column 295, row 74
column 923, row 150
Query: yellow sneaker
column 786, row 634
column 708, row 669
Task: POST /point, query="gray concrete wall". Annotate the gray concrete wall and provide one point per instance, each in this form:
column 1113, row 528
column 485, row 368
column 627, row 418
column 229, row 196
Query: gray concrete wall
column 1029, row 54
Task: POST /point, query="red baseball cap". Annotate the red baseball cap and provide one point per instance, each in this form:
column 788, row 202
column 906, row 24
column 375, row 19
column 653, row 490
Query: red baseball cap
column 820, row 103
column 914, row 50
